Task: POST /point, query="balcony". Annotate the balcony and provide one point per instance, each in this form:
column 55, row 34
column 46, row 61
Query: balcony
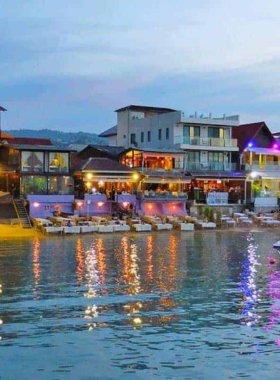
column 212, row 166
column 203, row 142
column 257, row 166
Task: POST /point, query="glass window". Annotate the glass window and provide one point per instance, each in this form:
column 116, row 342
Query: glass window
column 33, row 185
column 142, row 137
column 60, row 185
column 132, row 138
column 214, row 132
column 193, row 157
column 167, row 133
column 159, row 134
column 190, row 131
column 32, row 162
column 226, row 133
column 58, row 162
column 149, row 136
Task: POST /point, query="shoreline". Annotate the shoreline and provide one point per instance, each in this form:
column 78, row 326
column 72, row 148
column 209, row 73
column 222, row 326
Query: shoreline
column 17, row 232
column 14, row 232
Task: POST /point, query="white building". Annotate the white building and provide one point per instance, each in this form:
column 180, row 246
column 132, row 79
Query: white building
column 207, row 141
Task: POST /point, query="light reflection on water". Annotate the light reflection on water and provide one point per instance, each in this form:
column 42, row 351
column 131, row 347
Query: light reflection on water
column 169, row 305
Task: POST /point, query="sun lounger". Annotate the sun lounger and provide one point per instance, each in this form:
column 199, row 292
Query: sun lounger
column 142, row 227
column 88, row 229
column 121, row 228
column 166, row 226
column 105, row 229
column 71, row 230
column 186, row 226
column 52, row 230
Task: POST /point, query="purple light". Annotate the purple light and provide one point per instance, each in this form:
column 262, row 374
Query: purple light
column 275, row 146
column 250, row 144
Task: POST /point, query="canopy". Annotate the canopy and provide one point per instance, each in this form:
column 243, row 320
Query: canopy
column 265, row 151
column 166, row 180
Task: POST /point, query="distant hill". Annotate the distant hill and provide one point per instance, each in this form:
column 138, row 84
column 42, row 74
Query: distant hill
column 60, row 138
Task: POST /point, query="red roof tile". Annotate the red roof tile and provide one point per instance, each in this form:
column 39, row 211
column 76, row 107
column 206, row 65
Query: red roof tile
column 28, row 141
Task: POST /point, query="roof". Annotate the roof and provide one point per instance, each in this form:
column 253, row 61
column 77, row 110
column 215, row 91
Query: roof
column 104, row 165
column 114, row 150
column 109, row 132
column 246, row 132
column 216, row 174
column 133, row 107
column 4, row 135
column 154, row 150
column 2, row 109
column 37, row 147
column 29, row 141
column 265, row 151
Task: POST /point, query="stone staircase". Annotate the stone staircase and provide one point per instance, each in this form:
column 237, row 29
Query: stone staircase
column 22, row 213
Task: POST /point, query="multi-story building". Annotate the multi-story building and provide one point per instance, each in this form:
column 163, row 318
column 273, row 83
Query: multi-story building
column 206, row 141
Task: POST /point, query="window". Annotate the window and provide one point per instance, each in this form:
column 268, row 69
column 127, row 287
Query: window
column 142, row 137
column 33, row 185
column 32, row 162
column 149, row 136
column 190, row 131
column 218, row 133
column 132, row 138
column 159, row 134
column 167, row 133
column 58, row 162
column 191, row 135
column 60, row 185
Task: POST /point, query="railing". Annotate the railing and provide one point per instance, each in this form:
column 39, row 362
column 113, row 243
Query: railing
column 164, row 196
column 210, row 166
column 257, row 166
column 150, row 171
column 206, row 141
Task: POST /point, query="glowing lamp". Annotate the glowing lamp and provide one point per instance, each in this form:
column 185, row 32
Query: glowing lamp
column 125, row 204
column 219, row 181
column 250, row 144
column 88, row 185
column 275, row 146
column 101, row 183
column 135, row 176
column 36, row 204
column 150, row 207
column 174, row 207
column 89, row 176
column 254, row 174
column 100, row 204
column 79, row 204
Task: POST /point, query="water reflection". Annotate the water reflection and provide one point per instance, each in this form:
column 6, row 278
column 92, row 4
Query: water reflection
column 251, row 294
column 156, row 305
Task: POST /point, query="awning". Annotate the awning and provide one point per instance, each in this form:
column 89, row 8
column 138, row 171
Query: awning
column 212, row 175
column 264, row 151
column 110, row 179
column 268, row 174
column 166, row 180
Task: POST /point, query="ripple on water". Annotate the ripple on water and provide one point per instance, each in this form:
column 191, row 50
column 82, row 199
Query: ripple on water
column 157, row 305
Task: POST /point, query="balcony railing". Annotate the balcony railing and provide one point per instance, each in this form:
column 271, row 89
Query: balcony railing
column 258, row 166
column 206, row 141
column 210, row 166
column 150, row 171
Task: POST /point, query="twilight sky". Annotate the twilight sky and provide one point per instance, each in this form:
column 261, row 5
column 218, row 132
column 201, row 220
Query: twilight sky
column 69, row 64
